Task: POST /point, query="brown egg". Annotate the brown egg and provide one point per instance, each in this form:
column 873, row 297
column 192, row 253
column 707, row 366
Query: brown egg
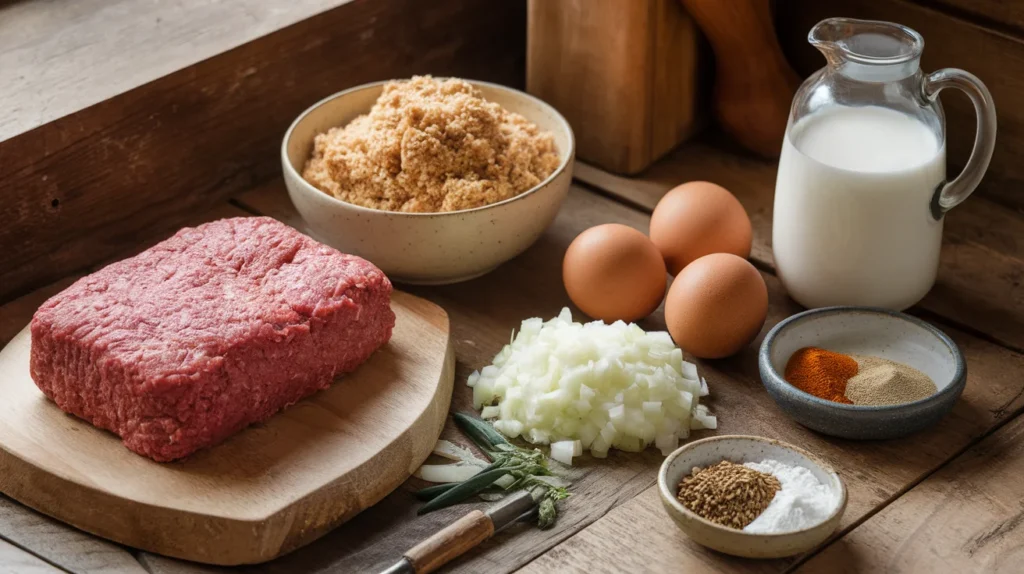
column 696, row 219
column 614, row 272
column 716, row 305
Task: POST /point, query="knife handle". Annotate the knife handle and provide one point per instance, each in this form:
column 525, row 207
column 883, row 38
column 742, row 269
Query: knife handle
column 450, row 543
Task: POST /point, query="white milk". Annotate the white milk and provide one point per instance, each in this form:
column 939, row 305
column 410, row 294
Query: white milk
column 852, row 222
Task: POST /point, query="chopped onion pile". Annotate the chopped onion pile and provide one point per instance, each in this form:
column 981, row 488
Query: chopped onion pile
column 595, row 385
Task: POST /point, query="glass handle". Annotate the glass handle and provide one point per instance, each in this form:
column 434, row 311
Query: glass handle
column 951, row 194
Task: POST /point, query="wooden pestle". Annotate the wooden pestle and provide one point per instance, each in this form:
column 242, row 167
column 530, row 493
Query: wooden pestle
column 754, row 85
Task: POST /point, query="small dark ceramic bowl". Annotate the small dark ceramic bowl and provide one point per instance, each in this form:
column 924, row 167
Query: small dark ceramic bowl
column 864, row 331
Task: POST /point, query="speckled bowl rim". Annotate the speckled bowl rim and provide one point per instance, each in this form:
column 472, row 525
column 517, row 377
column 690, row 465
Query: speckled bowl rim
column 670, row 493
column 953, row 388
column 310, row 188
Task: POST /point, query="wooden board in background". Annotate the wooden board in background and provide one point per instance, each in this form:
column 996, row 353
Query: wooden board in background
column 995, row 57
column 626, row 74
column 79, row 189
column 996, row 14
column 265, row 491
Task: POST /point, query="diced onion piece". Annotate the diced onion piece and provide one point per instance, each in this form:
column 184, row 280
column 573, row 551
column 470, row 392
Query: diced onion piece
column 666, row 443
column 702, row 419
column 562, row 451
column 594, row 386
column 689, row 370
column 457, row 472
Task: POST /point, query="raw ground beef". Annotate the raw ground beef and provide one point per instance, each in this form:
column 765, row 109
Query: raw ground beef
column 214, row 329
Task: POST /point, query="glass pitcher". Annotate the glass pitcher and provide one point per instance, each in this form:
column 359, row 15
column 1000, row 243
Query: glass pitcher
column 861, row 188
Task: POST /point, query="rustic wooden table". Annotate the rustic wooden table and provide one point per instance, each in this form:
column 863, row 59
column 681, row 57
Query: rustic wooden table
column 950, row 496
column 947, row 499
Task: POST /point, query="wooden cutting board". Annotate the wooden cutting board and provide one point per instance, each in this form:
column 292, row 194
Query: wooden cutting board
column 266, row 491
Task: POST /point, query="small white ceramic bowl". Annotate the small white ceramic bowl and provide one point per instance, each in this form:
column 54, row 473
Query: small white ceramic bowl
column 864, row 331
column 427, row 248
column 740, row 449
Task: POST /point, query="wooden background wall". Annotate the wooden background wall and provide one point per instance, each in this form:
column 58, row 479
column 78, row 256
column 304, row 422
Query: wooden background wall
column 88, row 185
column 984, row 37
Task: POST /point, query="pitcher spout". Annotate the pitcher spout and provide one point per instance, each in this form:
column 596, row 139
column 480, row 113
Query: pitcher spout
column 868, row 49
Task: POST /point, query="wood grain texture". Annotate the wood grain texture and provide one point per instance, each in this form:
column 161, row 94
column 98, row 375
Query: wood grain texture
column 451, row 542
column 968, row 517
column 53, row 51
column 626, row 74
column 265, row 491
column 485, row 310
column 14, row 560
column 77, row 190
column 69, row 547
column 996, row 58
column 996, row 14
column 754, row 84
column 981, row 268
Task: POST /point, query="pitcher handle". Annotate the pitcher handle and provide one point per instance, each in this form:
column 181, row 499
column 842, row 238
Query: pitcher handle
column 951, row 194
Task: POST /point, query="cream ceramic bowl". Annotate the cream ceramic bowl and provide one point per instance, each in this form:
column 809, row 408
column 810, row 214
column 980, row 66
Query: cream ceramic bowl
column 427, row 248
column 740, row 449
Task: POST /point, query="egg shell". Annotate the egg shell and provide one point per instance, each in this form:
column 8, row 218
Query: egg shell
column 696, row 219
column 613, row 272
column 716, row 306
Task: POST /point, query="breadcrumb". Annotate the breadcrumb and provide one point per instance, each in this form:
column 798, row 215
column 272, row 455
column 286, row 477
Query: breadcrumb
column 429, row 145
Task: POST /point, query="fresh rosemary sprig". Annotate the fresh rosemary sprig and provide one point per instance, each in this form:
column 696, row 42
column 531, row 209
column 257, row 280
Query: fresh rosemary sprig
column 525, row 466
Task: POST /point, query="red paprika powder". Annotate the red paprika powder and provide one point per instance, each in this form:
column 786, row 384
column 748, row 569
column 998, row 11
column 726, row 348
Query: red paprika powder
column 821, row 373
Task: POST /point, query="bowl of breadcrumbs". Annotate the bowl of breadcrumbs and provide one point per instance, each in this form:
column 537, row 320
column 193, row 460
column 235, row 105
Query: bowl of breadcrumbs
column 433, row 180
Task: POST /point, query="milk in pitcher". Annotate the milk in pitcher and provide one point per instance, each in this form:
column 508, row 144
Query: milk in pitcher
column 852, row 224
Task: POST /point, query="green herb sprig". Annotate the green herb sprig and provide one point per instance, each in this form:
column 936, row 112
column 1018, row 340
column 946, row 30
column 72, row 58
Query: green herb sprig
column 507, row 459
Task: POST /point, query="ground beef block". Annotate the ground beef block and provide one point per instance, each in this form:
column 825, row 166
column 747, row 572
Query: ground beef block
column 214, row 329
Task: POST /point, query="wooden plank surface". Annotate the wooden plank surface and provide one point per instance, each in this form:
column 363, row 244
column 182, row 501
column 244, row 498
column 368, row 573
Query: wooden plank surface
column 995, row 57
column 14, row 560
column 79, row 189
column 968, row 517
column 485, row 310
column 981, row 270
column 53, row 51
column 71, row 548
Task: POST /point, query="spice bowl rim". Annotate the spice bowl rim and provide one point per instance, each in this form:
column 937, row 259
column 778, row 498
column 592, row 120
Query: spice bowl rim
column 566, row 159
column 953, row 388
column 669, row 492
